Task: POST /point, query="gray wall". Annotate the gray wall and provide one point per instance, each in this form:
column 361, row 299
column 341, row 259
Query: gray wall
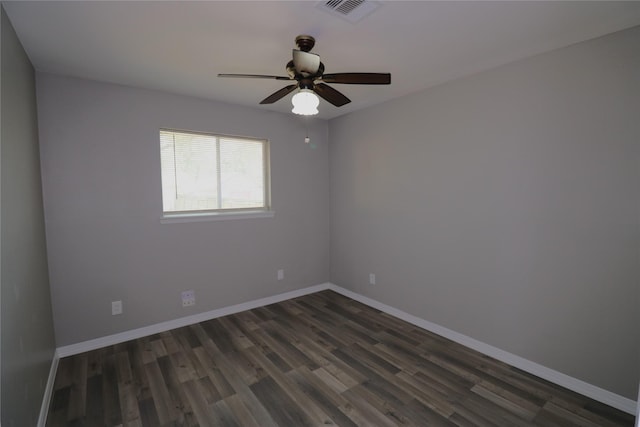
column 505, row 206
column 27, row 326
column 101, row 173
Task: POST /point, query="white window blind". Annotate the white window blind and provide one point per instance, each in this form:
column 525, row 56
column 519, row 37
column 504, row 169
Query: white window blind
column 209, row 173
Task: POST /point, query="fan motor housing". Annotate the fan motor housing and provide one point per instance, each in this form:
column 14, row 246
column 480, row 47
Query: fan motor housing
column 291, row 71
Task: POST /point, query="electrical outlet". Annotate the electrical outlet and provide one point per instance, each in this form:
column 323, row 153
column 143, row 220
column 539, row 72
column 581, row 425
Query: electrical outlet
column 280, row 274
column 116, row 307
column 188, row 298
column 372, row 279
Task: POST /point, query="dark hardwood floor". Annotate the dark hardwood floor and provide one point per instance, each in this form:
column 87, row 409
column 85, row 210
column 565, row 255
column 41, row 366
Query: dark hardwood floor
column 321, row 359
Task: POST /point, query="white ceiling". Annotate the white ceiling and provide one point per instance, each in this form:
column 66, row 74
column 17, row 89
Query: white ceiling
column 181, row 46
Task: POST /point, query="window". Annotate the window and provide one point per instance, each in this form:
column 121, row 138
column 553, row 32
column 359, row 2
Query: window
column 205, row 173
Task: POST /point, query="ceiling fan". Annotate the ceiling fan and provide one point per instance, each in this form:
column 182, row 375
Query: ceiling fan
column 308, row 72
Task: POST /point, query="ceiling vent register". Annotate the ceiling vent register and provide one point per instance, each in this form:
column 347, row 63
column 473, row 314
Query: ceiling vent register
column 351, row 10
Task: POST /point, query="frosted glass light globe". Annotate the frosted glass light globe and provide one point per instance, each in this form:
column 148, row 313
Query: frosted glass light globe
column 305, row 103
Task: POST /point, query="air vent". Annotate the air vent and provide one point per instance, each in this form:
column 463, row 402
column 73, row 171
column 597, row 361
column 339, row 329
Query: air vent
column 351, row 10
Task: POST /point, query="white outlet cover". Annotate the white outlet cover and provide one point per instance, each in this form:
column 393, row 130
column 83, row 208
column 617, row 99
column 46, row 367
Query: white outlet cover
column 280, row 274
column 372, row 279
column 116, row 307
column 188, row 298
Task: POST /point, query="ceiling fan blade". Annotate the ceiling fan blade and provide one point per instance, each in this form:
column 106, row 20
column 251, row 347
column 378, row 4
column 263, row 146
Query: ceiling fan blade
column 254, row 76
column 358, row 78
column 279, row 94
column 331, row 95
column 306, row 63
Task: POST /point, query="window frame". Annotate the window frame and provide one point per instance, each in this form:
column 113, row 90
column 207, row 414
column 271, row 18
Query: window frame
column 265, row 211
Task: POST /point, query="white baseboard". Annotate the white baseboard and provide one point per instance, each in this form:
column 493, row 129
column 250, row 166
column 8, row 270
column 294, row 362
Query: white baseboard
column 638, row 409
column 574, row 384
column 48, row 391
column 70, row 350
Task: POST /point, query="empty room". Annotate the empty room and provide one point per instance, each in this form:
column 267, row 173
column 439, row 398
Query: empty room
column 305, row 213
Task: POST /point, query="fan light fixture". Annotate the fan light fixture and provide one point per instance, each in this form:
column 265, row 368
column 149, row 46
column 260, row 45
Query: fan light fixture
column 305, row 103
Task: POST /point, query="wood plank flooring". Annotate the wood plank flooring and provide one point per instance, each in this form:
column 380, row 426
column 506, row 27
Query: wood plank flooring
column 322, row 359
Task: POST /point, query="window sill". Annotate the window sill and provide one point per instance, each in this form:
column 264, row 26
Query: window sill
column 214, row 216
